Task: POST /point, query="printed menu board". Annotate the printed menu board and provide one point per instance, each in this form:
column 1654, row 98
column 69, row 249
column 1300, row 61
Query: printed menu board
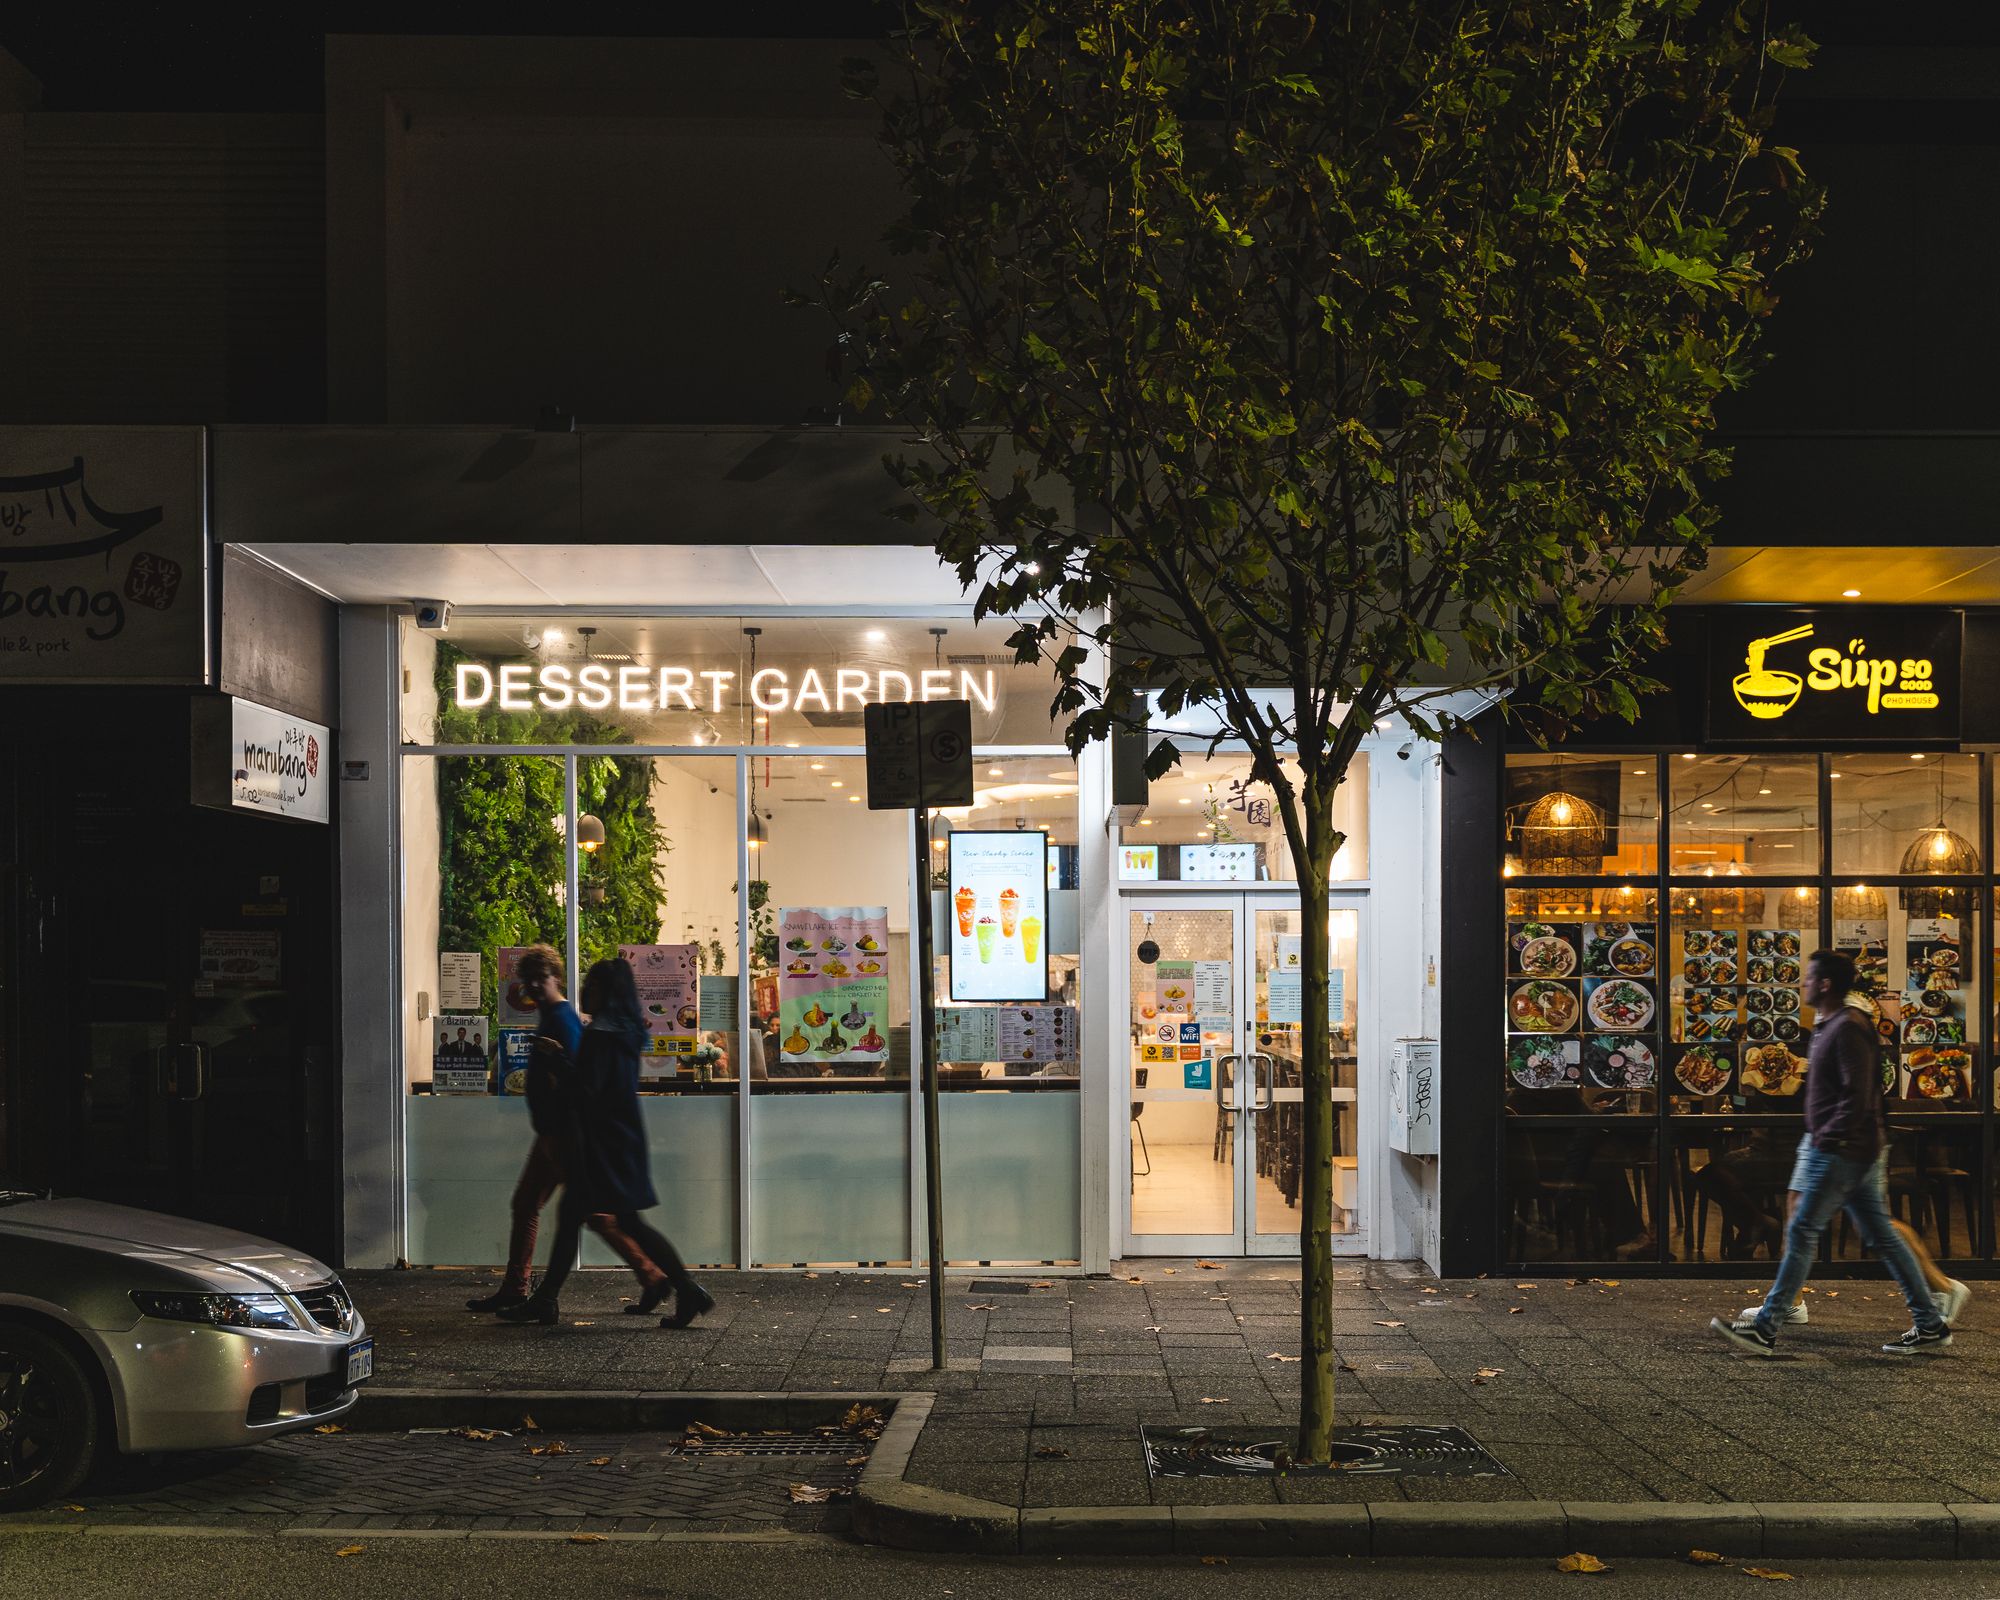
column 833, row 983
column 1740, row 1026
column 666, row 976
column 999, row 909
column 458, row 980
column 1582, row 1005
column 1006, row 1033
column 458, row 1056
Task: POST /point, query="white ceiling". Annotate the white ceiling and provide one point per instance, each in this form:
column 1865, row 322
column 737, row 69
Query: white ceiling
column 538, row 577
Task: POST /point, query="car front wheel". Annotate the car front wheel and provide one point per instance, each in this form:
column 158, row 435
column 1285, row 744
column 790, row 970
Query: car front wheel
column 48, row 1419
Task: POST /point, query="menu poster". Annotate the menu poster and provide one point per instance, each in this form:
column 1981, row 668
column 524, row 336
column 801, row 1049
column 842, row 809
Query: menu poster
column 1006, row 1033
column 1213, row 988
column 507, row 962
column 251, row 960
column 999, row 912
column 458, row 1055
column 1176, row 987
column 458, row 980
column 666, row 975
column 516, row 1046
column 833, row 982
column 1218, row 863
column 1139, row 863
column 1284, row 1003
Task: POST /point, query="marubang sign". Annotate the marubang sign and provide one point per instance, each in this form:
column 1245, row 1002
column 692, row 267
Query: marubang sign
column 278, row 763
column 103, row 556
column 1833, row 676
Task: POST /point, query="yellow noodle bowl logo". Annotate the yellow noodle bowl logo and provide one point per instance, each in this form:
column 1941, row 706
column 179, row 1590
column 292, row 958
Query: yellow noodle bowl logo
column 1767, row 693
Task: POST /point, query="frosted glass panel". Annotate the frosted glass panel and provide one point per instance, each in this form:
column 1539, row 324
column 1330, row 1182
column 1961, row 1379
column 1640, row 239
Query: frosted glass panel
column 829, row 1178
column 692, row 1141
column 463, row 1154
column 1010, row 1177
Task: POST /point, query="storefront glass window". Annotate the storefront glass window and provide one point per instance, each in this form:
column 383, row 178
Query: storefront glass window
column 1207, row 821
column 1905, row 813
column 1733, row 816
column 1577, row 816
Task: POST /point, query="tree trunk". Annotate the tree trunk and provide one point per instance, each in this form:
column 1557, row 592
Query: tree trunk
column 1315, row 1144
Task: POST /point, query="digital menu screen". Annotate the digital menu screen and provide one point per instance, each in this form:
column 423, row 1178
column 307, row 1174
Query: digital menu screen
column 997, row 915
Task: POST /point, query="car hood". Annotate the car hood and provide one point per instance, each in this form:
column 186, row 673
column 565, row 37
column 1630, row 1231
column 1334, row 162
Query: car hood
column 225, row 1259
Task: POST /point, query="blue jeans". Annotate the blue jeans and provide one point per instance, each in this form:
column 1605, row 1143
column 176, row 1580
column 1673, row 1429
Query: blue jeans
column 1831, row 1182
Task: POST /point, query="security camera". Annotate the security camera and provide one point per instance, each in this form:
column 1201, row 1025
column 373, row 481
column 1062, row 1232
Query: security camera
column 1403, row 750
column 433, row 616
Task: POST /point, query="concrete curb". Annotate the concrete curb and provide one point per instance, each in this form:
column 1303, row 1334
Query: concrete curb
column 627, row 1410
column 905, row 1516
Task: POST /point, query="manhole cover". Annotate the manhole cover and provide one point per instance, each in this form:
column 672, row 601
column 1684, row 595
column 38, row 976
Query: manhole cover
column 773, row 1444
column 1412, row 1450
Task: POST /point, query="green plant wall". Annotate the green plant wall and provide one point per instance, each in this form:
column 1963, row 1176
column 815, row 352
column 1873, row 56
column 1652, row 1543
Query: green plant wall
column 501, row 850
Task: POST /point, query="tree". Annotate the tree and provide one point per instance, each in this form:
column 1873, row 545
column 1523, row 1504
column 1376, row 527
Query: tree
column 1375, row 346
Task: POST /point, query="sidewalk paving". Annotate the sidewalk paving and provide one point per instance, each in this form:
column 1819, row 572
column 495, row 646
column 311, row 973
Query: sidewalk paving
column 1599, row 1390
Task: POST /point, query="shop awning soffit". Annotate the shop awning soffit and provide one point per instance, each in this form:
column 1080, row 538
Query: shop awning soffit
column 1928, row 575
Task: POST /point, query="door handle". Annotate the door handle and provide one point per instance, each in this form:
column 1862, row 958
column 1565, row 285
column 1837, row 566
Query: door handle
column 1261, row 1074
column 189, row 1078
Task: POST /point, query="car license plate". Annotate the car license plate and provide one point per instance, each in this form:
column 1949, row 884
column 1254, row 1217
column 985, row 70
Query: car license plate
column 360, row 1362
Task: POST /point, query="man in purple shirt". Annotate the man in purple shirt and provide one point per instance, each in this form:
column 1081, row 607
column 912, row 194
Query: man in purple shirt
column 1846, row 1135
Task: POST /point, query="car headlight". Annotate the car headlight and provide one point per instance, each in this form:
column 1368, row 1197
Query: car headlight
column 217, row 1310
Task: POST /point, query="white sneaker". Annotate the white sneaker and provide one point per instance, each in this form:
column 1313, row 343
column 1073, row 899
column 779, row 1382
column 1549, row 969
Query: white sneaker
column 1796, row 1317
column 1953, row 1301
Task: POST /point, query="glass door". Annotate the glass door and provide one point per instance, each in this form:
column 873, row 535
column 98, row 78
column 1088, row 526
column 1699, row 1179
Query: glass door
column 1274, row 1100
column 1184, row 958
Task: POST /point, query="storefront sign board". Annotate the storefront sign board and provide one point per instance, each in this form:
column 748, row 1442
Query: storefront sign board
column 1139, row 863
column 833, row 983
column 458, row 1055
column 999, row 903
column 1833, row 677
column 595, row 686
column 103, row 555
column 279, row 764
column 458, row 980
column 667, row 978
column 1218, row 863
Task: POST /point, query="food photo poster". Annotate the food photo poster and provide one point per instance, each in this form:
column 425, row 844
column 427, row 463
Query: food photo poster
column 833, row 983
column 998, row 910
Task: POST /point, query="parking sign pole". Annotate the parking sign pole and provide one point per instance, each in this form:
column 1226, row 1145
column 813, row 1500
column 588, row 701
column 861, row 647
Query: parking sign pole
column 927, row 1023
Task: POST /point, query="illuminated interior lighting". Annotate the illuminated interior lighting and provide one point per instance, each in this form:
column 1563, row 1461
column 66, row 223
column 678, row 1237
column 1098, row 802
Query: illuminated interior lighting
column 1688, row 756
column 1145, row 822
column 1916, row 758
column 875, row 636
column 1763, row 791
column 552, row 636
column 1561, row 812
column 1850, row 594
column 1186, row 801
column 1833, row 774
column 837, row 784
column 996, row 772
column 819, row 766
column 854, row 799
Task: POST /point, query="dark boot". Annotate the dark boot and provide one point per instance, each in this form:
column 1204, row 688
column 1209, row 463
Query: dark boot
column 499, row 1300
column 536, row 1308
column 649, row 1299
column 690, row 1301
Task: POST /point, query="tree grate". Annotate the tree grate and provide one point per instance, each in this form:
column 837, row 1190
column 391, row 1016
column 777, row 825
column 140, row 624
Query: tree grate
column 1415, row 1450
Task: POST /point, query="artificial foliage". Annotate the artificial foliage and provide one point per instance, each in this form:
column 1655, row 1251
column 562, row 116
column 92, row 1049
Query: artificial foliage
column 1319, row 365
column 500, row 841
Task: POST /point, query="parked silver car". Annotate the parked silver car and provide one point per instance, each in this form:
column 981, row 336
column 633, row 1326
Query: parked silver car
column 130, row 1330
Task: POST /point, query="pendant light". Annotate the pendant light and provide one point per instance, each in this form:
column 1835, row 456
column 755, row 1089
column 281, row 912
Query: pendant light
column 1938, row 851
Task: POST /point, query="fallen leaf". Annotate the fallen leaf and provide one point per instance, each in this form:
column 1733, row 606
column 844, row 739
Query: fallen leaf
column 600, row 1461
column 1051, row 1452
column 1515, row 1311
column 856, row 1461
column 73, row 1508
column 987, row 1306
column 530, row 1425
column 704, row 1431
column 1215, row 1399
column 350, row 1550
column 1151, row 1329
column 1041, row 1286
column 1487, row 1372
column 1831, row 1294
column 1524, row 1286
column 1389, row 1324
column 1343, row 1366
column 481, row 1434
column 812, row 1274
column 913, row 1286
column 806, row 1494
column 1169, row 1271
column 1769, row 1572
column 1609, row 1283
column 583, row 1324
column 1704, row 1558
column 881, row 1311
column 1209, row 1266
column 329, row 1427
column 1135, row 1280
column 1427, row 1291
column 1274, row 1356
column 1215, row 1561
column 1579, row 1562
column 861, row 1416
column 587, row 1538
column 555, row 1447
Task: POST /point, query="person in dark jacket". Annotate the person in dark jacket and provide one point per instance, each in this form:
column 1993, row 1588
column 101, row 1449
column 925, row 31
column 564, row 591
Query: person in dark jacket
column 538, row 976
column 606, row 1169
column 1843, row 1116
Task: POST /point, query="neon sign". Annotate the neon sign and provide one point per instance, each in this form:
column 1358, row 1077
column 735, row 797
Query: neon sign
column 1840, row 675
column 598, row 686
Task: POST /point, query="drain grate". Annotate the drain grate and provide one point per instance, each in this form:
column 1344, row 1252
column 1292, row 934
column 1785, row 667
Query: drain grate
column 1413, row 1450
column 999, row 1286
column 774, row 1444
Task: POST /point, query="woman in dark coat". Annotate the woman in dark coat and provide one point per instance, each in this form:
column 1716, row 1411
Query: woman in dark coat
column 607, row 1168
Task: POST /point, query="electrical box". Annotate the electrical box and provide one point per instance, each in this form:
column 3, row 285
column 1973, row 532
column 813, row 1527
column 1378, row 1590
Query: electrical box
column 1413, row 1097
